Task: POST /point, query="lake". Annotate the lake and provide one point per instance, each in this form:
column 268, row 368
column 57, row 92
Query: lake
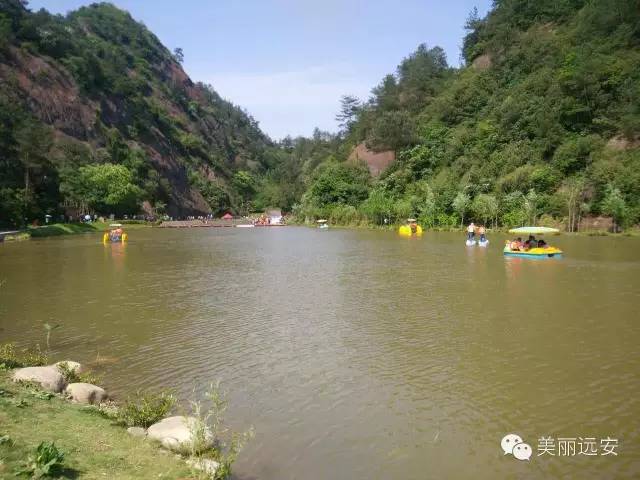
column 356, row 353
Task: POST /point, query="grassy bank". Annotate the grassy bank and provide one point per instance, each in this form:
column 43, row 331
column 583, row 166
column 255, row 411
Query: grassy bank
column 93, row 446
column 57, row 229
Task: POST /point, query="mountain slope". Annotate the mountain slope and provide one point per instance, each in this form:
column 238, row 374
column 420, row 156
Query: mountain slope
column 98, row 88
column 544, row 119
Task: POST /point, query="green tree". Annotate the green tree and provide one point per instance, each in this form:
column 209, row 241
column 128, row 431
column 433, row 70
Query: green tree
column 34, row 141
column 531, row 206
column 461, row 205
column 571, row 194
column 339, row 182
column 350, row 107
column 486, row 207
column 378, row 207
column 109, row 188
column 614, row 205
column 178, row 54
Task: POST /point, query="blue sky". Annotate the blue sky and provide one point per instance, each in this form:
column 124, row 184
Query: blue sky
column 289, row 61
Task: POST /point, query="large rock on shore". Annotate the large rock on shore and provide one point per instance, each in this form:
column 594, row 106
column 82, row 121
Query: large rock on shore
column 206, row 465
column 69, row 365
column 48, row 378
column 177, row 433
column 85, row 393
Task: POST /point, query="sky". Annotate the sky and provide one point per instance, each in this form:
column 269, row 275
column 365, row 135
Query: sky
column 288, row 62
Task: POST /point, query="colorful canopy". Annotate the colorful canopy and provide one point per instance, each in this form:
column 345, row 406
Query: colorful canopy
column 227, row 216
column 534, row 230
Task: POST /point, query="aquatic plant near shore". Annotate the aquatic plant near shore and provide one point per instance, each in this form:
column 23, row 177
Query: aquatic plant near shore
column 49, row 328
column 209, row 422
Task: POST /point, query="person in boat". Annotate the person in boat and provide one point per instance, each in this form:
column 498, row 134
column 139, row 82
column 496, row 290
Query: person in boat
column 516, row 244
column 542, row 244
column 115, row 234
column 471, row 231
column 482, row 232
column 530, row 243
column 413, row 226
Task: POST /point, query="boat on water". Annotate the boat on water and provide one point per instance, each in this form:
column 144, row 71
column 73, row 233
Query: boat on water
column 512, row 249
column 410, row 229
column 322, row 224
column 115, row 235
column 480, row 243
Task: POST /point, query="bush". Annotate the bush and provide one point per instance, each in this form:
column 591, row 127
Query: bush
column 145, row 408
column 11, row 358
column 48, row 461
column 72, row 376
column 344, row 215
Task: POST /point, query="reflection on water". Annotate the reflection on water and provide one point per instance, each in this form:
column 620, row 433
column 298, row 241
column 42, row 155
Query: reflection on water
column 355, row 354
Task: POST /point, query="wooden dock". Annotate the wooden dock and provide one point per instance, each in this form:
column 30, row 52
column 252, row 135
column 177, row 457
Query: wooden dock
column 212, row 223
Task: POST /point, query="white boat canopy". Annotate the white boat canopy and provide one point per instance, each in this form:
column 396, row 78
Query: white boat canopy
column 322, row 221
column 115, row 225
column 534, row 230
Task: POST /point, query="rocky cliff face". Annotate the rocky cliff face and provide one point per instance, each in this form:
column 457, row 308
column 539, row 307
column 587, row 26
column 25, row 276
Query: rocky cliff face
column 105, row 84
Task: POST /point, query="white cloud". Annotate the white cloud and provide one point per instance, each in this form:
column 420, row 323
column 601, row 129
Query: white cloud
column 290, row 102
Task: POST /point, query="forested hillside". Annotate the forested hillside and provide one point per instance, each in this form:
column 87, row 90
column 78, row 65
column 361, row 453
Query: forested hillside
column 542, row 121
column 541, row 124
column 96, row 115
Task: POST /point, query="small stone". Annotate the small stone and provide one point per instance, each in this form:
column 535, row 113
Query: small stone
column 86, row 393
column 137, row 431
column 70, row 365
column 48, row 378
column 206, row 465
column 176, row 433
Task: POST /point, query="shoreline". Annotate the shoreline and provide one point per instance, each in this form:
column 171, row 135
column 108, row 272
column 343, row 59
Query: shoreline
column 92, row 444
column 58, row 407
column 64, row 229
column 631, row 232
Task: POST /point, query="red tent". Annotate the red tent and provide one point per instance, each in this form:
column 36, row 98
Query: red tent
column 227, row 216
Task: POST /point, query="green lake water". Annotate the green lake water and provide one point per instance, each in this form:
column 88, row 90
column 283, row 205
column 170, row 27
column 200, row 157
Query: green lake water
column 355, row 353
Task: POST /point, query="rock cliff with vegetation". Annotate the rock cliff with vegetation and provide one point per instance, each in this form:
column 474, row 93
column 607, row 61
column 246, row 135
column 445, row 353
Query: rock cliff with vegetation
column 96, row 115
column 542, row 120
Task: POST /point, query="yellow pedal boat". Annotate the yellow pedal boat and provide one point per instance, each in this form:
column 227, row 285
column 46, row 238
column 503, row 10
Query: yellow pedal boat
column 115, row 235
column 545, row 252
column 411, row 229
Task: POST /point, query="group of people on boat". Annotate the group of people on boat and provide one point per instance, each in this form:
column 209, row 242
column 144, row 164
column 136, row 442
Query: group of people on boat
column 115, row 234
column 473, row 230
column 518, row 245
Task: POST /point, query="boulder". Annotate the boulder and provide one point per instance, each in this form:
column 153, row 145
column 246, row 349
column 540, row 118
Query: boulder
column 176, row 433
column 85, row 393
column 206, row 465
column 48, row 378
column 137, row 431
column 71, row 365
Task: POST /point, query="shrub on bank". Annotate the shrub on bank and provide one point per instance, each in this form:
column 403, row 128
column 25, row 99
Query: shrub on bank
column 10, row 357
column 145, row 408
column 72, row 375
